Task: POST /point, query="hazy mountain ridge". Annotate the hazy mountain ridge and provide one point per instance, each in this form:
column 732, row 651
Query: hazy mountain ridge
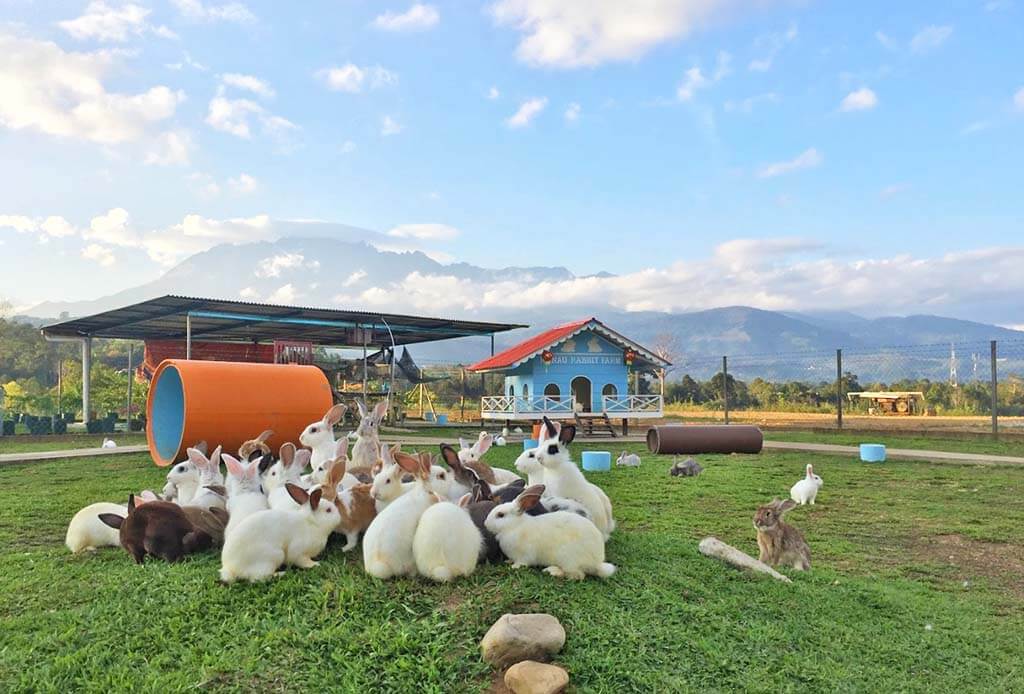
column 330, row 271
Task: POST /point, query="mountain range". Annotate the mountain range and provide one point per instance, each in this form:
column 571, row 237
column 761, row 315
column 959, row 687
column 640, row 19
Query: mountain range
column 355, row 274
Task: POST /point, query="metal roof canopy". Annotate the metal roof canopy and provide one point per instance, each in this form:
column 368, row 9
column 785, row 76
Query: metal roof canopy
column 173, row 317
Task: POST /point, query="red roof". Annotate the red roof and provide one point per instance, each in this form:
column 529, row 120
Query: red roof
column 514, row 355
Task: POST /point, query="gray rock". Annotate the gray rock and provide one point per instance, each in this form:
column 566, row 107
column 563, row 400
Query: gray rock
column 517, row 637
column 687, row 468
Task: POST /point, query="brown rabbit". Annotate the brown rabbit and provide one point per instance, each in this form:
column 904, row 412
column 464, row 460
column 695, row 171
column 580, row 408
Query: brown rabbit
column 158, row 528
column 257, row 446
column 356, row 505
column 779, row 542
column 211, row 521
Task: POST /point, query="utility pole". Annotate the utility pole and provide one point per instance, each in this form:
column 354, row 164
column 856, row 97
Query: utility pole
column 725, row 387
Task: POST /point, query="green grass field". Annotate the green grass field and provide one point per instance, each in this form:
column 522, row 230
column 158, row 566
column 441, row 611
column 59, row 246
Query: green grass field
column 917, row 585
column 58, row 442
column 1004, row 446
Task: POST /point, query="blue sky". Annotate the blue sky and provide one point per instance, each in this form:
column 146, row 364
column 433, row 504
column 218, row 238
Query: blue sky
column 833, row 133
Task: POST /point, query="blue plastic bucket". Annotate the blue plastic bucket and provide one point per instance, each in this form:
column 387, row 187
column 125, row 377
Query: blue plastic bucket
column 872, row 452
column 442, row 419
column 428, row 416
column 597, row 461
column 529, row 443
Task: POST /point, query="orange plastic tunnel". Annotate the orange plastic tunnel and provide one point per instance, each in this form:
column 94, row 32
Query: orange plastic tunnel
column 228, row 403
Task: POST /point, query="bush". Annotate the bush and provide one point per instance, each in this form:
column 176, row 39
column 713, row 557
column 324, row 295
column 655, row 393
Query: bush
column 39, row 426
column 95, row 426
column 60, row 426
column 137, row 424
column 9, row 425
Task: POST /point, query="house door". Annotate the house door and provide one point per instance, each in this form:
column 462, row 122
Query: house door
column 581, row 391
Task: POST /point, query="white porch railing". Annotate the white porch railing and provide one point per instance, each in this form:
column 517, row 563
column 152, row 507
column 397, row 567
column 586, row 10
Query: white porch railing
column 649, row 405
column 514, row 404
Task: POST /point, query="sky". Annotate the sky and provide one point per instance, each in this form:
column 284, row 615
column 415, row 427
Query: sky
column 760, row 142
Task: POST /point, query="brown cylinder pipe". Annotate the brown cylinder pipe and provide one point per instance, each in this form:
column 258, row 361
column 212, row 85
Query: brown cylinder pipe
column 678, row 439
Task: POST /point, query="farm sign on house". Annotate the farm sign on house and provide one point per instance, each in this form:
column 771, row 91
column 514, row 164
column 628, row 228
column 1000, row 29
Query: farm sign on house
column 574, row 370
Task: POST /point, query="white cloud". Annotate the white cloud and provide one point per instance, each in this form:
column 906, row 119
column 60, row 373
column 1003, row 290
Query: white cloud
column 196, row 10
column 103, row 22
column 1018, row 100
column 204, row 184
column 771, row 44
column 563, row 34
column 100, row 254
column 186, row 61
column 419, row 17
column 930, row 38
column 50, row 227
column 807, row 159
column 693, row 80
column 59, row 93
column 248, row 83
column 747, row 105
column 893, row 190
column 248, row 293
column 275, row 265
column 112, row 228
column 527, row 111
column 572, row 113
column 863, row 99
column 285, row 294
column 57, row 227
column 243, row 184
column 353, row 79
column 355, row 278
column 234, row 116
column 493, row 93
column 348, row 146
column 886, row 41
column 170, row 148
column 424, row 232
column 389, row 126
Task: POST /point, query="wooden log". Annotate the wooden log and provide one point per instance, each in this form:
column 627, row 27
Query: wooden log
column 713, row 547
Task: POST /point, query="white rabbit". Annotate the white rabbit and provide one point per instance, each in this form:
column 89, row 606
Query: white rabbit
column 210, row 476
column 387, row 482
column 563, row 478
column 319, row 437
column 182, row 483
column 109, row 443
column 447, row 543
column 565, row 544
column 628, row 459
column 472, row 454
column 287, row 470
column 266, row 540
column 528, row 465
column 805, row 491
column 87, row 532
column 364, row 452
column 387, row 544
column 245, row 493
column 500, row 441
column 320, row 470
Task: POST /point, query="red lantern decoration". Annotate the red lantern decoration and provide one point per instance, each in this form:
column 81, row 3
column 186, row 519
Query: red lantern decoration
column 629, row 356
column 547, row 356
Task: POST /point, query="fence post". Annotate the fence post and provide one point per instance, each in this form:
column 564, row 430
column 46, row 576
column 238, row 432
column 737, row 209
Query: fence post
column 725, row 387
column 462, row 397
column 839, row 389
column 995, row 393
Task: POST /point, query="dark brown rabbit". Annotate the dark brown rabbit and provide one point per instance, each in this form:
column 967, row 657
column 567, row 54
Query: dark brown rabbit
column 158, row 528
column 211, row 521
column 467, row 473
column 780, row 543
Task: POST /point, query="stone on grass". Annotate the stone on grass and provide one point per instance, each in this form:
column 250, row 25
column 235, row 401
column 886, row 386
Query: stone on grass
column 517, row 637
column 531, row 677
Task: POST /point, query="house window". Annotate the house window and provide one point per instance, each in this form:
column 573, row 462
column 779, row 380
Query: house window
column 526, row 391
column 610, row 391
column 551, row 390
column 511, row 390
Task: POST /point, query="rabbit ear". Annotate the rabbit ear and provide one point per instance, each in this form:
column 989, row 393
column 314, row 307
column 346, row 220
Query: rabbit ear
column 462, row 444
column 265, row 435
column 334, row 415
column 131, row 503
column 407, row 462
column 530, row 497
column 297, row 493
column 553, row 429
column 567, row 434
column 465, row 500
column 336, row 472
column 341, row 449
column 810, row 471
column 201, row 447
column 112, row 519
column 234, row 466
column 425, row 464
column 451, row 457
column 302, row 458
column 264, row 463
column 215, row 458
column 197, row 457
column 362, row 408
column 484, row 443
column 786, row 505
column 287, row 453
column 314, row 498
column 380, row 410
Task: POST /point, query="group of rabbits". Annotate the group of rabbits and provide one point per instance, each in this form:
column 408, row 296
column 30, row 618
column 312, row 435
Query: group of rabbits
column 779, row 543
column 415, row 515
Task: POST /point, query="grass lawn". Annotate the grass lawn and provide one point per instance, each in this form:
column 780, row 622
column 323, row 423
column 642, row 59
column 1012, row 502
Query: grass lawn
column 59, row 442
column 1004, row 446
column 917, row 585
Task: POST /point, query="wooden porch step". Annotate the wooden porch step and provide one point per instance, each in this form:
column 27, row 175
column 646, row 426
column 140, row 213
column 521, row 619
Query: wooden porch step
column 594, row 424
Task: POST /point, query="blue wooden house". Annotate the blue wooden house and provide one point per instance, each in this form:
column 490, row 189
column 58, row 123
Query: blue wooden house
column 580, row 370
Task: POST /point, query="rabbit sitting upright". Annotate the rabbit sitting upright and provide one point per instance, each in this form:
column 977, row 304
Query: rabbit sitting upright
column 779, row 542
